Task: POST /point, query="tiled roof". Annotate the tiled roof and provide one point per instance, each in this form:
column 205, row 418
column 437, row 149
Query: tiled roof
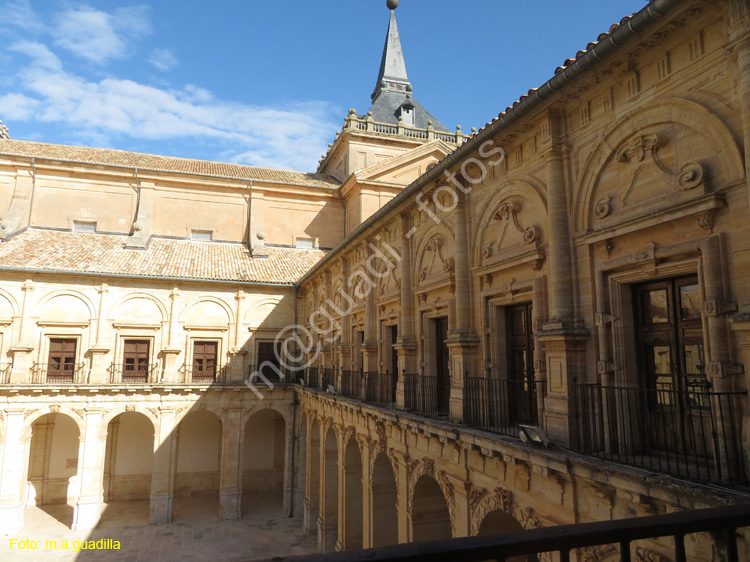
column 168, row 258
column 163, row 163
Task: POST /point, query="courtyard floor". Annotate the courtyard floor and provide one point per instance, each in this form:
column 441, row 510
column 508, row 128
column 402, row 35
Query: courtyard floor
column 195, row 533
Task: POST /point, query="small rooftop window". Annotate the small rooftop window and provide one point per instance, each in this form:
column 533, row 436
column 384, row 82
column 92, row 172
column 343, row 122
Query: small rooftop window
column 306, row 243
column 84, row 226
column 202, row 235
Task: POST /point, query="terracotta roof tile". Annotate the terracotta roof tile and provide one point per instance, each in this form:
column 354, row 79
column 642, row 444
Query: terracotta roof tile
column 104, row 253
column 163, row 163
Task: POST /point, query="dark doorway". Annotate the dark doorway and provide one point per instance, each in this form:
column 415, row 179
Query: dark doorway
column 520, row 345
column 269, row 352
column 442, row 365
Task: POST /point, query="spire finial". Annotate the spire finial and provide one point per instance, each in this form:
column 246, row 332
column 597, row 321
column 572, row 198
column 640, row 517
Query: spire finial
column 392, row 4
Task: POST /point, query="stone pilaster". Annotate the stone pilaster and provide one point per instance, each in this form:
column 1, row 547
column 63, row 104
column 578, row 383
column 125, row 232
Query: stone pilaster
column 406, row 346
column 310, row 506
column 14, row 458
column 88, row 505
column 739, row 30
column 370, row 357
column 21, row 350
column 164, row 463
column 230, row 480
column 171, row 352
column 327, row 514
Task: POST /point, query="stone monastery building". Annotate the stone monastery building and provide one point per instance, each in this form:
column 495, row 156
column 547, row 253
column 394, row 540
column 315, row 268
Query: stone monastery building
column 580, row 265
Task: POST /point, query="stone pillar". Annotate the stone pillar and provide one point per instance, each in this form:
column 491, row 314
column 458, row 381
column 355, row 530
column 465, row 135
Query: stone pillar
column 164, row 463
column 461, row 509
column 406, row 346
column 463, row 344
column 367, row 494
column 345, row 345
column 230, row 480
column 327, row 520
column 98, row 352
column 370, row 345
column 14, row 459
column 564, row 341
column 402, row 504
column 90, row 471
column 310, row 508
column 739, row 32
column 236, row 370
column 741, row 325
column 171, row 352
column 21, row 350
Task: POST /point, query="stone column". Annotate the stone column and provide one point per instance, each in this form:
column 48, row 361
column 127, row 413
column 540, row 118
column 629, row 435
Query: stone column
column 367, row 494
column 90, row 471
column 236, row 370
column 171, row 352
column 310, row 510
column 370, row 345
column 464, row 343
column 164, row 463
column 345, row 345
column 741, row 325
column 14, row 459
column 564, row 341
column 461, row 509
column 230, row 481
column 402, row 504
column 327, row 521
column 406, row 346
column 22, row 348
column 98, row 351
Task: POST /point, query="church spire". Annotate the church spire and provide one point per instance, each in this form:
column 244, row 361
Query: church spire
column 392, row 74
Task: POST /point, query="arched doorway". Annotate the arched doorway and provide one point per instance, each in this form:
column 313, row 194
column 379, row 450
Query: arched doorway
column 328, row 520
column 353, row 497
column 313, row 481
column 384, row 495
column 198, row 464
column 263, row 463
column 430, row 517
column 53, row 465
column 128, row 459
column 501, row 522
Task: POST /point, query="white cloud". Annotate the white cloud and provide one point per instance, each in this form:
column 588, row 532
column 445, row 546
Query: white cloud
column 98, row 36
column 19, row 14
column 163, row 59
column 289, row 135
column 18, row 106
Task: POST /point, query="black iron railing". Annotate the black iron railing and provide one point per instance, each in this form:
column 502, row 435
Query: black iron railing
column 5, row 369
column 275, row 374
column 427, row 395
column 693, row 433
column 57, row 373
column 380, row 389
column 312, row 377
column 722, row 522
column 133, row 374
column 500, row 406
column 351, row 384
column 328, row 378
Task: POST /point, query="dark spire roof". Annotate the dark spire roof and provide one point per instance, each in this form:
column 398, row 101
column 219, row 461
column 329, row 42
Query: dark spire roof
column 393, row 89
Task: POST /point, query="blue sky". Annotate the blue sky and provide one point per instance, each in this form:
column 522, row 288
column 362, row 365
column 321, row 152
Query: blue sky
column 267, row 83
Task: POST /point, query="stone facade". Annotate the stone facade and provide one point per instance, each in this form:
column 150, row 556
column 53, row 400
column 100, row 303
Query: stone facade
column 589, row 243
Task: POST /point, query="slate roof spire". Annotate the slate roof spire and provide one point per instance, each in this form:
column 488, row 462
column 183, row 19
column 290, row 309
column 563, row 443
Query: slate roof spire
column 392, row 73
column 392, row 97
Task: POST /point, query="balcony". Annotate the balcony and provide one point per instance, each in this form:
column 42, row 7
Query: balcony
column 693, row 433
column 57, row 373
column 380, row 389
column 427, row 395
column 500, row 406
column 617, row 536
column 134, row 374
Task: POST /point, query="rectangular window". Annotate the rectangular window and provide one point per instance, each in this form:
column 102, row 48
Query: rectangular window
column 521, row 389
column 202, row 235
column 135, row 361
column 306, row 243
column 62, row 360
column 204, row 361
column 84, row 226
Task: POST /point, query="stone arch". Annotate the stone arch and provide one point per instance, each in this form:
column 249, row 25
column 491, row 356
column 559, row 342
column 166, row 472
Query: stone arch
column 226, row 317
column 426, row 467
column 109, row 415
column 439, row 242
column 55, row 439
column 31, row 416
column 384, row 488
column 689, row 114
column 118, row 310
column 129, row 456
column 269, row 313
column 530, row 204
column 482, row 502
column 264, row 458
column 250, row 412
column 11, row 306
column 430, row 515
column 353, row 500
column 71, row 296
